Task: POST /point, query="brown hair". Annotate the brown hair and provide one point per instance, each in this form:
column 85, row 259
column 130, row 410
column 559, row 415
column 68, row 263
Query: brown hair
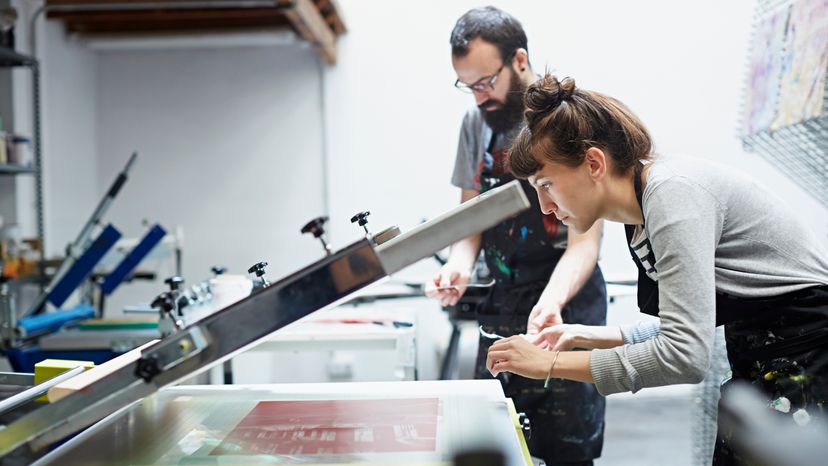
column 493, row 25
column 563, row 121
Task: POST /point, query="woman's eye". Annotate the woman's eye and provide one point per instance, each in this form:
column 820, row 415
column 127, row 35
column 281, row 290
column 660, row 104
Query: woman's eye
column 546, row 187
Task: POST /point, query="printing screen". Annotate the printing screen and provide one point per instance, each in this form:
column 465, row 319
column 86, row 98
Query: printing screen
column 332, row 427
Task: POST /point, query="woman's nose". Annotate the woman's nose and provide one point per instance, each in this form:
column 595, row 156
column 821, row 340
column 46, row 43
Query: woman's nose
column 548, row 207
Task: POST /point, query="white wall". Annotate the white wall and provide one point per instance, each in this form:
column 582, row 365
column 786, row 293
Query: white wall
column 230, row 149
column 70, row 168
column 395, row 116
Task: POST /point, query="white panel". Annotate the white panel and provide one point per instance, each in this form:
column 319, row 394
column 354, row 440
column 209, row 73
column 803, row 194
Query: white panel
column 230, row 150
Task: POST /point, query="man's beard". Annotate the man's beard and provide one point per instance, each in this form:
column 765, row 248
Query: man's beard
column 510, row 114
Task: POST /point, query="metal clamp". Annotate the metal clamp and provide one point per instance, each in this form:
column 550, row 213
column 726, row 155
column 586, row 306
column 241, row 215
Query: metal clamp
column 169, row 353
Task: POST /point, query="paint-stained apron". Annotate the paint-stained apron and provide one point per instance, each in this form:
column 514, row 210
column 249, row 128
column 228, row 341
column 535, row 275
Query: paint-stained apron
column 777, row 344
column 567, row 418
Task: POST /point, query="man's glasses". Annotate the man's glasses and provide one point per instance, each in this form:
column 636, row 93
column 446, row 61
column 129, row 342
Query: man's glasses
column 484, row 84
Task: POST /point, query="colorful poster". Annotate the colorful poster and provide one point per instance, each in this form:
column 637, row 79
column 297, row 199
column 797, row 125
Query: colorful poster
column 802, row 89
column 335, row 427
column 762, row 94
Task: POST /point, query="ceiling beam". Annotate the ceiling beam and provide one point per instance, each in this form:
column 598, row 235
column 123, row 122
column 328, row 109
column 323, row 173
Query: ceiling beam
column 309, row 23
column 316, row 21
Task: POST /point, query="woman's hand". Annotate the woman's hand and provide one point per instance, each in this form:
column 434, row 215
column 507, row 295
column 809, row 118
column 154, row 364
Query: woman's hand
column 565, row 337
column 561, row 337
column 517, row 355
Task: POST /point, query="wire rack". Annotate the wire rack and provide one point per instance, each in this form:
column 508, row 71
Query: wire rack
column 799, row 149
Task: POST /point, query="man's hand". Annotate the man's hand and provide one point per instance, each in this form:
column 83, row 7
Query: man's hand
column 543, row 315
column 449, row 284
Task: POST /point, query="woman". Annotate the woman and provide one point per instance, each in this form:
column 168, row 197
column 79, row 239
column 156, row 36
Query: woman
column 712, row 247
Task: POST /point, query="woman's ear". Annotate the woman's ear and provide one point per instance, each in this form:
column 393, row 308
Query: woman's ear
column 596, row 162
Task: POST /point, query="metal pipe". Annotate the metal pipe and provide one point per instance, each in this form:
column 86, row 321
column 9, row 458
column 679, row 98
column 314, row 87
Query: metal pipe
column 31, row 393
column 17, row 378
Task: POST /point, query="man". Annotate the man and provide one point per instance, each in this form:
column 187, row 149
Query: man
column 544, row 274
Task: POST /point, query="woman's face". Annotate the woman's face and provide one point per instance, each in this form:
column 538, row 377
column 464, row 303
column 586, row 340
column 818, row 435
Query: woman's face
column 568, row 193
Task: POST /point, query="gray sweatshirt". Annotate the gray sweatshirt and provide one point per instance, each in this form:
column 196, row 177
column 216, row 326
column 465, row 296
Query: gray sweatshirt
column 711, row 229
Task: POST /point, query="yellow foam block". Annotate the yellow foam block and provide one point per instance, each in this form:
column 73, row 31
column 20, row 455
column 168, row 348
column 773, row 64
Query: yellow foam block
column 49, row 368
column 80, row 381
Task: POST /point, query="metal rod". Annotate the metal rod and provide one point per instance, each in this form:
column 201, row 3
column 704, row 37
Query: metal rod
column 488, row 284
column 38, row 156
column 31, row 393
column 475, row 215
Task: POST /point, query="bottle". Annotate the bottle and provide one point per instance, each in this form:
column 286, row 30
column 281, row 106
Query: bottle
column 20, row 151
column 8, row 18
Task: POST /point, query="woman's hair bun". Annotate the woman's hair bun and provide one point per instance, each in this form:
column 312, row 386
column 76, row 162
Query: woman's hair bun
column 545, row 95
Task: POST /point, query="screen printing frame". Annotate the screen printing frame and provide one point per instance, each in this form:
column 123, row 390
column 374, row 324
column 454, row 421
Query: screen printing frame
column 175, row 425
column 232, row 330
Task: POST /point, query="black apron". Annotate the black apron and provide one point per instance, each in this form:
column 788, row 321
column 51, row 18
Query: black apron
column 568, row 417
column 778, row 344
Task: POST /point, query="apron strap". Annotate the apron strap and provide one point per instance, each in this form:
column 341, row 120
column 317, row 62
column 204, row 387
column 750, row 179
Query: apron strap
column 637, row 170
column 492, row 142
column 647, row 287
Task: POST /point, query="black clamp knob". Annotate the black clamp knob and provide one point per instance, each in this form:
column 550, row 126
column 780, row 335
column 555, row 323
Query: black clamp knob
column 165, row 302
column 259, row 269
column 148, row 367
column 525, row 425
column 316, row 228
column 218, row 270
column 183, row 301
column 361, row 219
column 170, row 302
column 174, row 283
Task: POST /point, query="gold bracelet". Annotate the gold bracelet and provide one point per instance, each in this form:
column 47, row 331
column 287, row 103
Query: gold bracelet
column 549, row 374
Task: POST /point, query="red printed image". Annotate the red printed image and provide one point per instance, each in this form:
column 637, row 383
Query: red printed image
column 320, row 427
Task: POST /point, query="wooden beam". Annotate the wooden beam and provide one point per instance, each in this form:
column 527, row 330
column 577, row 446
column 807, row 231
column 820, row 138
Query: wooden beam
column 317, row 21
column 127, row 2
column 332, row 12
column 307, row 20
column 170, row 20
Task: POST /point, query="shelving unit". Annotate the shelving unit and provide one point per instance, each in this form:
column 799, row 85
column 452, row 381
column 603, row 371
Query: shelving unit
column 12, row 59
column 8, row 169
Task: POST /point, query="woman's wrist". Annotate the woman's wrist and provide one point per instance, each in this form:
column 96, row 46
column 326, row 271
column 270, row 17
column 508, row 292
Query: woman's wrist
column 551, row 368
column 544, row 369
column 597, row 337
